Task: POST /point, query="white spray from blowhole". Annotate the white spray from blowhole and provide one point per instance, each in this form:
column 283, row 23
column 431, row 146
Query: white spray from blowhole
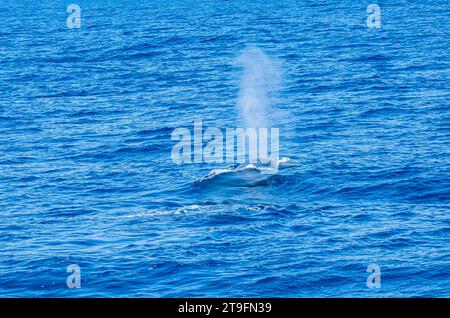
column 259, row 84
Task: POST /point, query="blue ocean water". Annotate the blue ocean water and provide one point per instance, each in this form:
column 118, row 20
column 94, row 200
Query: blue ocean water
column 86, row 117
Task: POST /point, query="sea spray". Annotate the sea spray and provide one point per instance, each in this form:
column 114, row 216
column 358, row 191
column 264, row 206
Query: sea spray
column 259, row 83
column 255, row 144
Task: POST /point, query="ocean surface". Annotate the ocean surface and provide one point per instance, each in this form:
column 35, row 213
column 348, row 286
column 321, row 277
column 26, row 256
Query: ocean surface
column 86, row 175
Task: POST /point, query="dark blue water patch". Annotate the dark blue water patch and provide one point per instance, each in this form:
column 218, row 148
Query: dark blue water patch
column 87, row 177
column 162, row 133
column 143, row 149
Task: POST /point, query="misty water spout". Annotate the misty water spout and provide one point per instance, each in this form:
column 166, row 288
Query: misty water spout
column 260, row 81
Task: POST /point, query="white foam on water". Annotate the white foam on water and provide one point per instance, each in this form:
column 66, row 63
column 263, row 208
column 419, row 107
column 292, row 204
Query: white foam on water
column 282, row 163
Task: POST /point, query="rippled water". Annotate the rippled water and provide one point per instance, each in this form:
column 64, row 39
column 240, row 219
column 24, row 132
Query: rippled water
column 86, row 175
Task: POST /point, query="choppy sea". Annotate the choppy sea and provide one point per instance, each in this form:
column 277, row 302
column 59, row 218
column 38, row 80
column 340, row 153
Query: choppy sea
column 86, row 175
